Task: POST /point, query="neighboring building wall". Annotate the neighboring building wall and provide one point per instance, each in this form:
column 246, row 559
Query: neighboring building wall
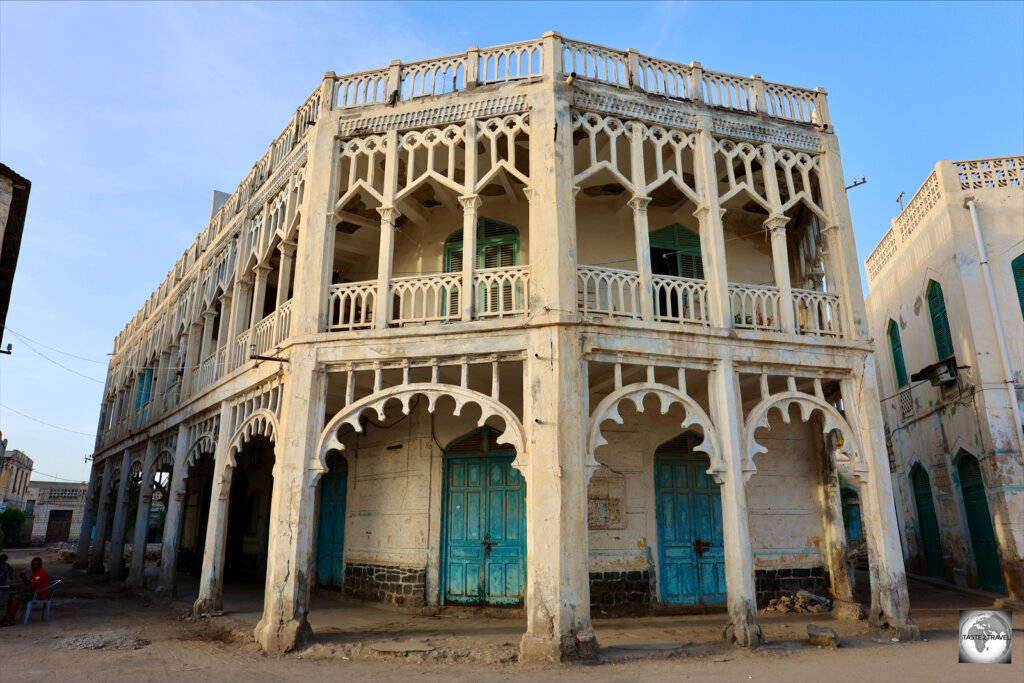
column 66, row 500
column 933, row 240
column 15, row 473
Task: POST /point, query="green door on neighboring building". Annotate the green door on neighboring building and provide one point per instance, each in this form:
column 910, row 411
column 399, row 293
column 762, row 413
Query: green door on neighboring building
column 927, row 524
column 979, row 524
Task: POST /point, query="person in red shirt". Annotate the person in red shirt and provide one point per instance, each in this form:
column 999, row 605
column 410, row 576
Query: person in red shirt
column 40, row 579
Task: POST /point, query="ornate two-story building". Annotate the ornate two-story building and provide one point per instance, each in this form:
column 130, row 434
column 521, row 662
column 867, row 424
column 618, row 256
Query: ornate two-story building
column 547, row 324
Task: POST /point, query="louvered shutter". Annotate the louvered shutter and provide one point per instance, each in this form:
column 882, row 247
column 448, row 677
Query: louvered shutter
column 940, row 322
column 454, row 266
column 897, row 355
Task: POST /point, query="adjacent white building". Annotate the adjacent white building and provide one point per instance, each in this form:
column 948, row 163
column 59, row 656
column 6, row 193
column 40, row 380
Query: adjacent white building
column 548, row 325
column 946, row 307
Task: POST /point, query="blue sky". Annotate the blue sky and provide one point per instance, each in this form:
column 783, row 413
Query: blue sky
column 126, row 117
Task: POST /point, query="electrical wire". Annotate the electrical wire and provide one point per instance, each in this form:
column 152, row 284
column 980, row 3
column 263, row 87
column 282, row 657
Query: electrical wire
column 54, row 476
column 50, row 348
column 34, row 419
column 60, row 365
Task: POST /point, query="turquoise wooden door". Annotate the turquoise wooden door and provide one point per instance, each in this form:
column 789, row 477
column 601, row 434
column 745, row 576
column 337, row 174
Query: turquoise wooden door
column 330, row 544
column 689, row 512
column 928, row 525
column 485, row 524
column 979, row 524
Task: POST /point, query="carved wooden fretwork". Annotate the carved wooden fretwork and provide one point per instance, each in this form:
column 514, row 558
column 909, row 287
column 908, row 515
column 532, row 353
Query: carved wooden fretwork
column 432, row 116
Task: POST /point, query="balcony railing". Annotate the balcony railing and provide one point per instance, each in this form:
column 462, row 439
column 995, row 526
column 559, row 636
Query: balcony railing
column 501, row 292
column 240, row 351
column 425, row 298
column 608, row 291
column 350, row 306
column 817, row 313
column 680, row 300
column 754, row 307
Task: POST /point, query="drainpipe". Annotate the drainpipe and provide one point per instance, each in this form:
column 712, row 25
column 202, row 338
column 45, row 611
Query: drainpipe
column 1004, row 355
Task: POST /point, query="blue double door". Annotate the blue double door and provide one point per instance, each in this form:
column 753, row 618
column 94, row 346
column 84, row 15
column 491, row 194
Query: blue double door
column 689, row 511
column 485, row 526
column 330, row 543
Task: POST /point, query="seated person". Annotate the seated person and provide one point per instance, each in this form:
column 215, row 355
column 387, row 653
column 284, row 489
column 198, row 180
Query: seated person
column 6, row 573
column 39, row 580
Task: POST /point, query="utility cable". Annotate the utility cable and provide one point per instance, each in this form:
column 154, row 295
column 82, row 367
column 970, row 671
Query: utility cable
column 50, row 348
column 34, row 419
column 60, row 365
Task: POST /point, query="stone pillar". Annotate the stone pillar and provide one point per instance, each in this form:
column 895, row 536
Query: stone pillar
column 712, row 233
column 890, row 602
column 172, row 522
column 297, row 470
column 470, row 204
column 388, row 215
column 224, row 330
column 115, row 567
column 207, row 347
column 102, row 512
column 284, row 274
column 642, row 240
column 836, row 547
column 776, row 225
column 743, row 628
column 211, row 578
column 259, row 293
column 137, row 565
column 88, row 519
column 558, row 624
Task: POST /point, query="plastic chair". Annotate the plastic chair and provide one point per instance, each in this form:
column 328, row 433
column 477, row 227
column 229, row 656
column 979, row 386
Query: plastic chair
column 35, row 599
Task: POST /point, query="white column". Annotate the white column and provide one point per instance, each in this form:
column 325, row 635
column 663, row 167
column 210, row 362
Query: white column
column 259, row 293
column 115, row 567
column 467, row 299
column 836, row 548
column 102, row 512
column 172, row 522
column 297, row 470
column 211, row 578
column 642, row 240
column 207, row 344
column 137, row 565
column 776, row 226
column 284, row 273
column 712, row 234
column 890, row 602
column 385, row 262
column 88, row 519
column 741, row 597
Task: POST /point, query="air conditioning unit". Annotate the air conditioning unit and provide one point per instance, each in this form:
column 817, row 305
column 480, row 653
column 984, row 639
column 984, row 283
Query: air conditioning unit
column 942, row 373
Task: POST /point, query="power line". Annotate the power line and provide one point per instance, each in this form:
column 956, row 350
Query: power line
column 34, row 419
column 54, row 476
column 65, row 353
column 60, row 365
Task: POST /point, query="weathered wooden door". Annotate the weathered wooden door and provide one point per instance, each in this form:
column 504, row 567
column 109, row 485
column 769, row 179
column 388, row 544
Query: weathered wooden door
column 928, row 525
column 58, row 526
column 689, row 512
column 485, row 524
column 330, row 545
column 979, row 524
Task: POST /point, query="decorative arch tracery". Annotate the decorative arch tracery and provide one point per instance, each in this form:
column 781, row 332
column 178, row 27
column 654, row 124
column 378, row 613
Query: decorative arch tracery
column 489, row 407
column 262, row 422
column 608, row 409
column 832, row 420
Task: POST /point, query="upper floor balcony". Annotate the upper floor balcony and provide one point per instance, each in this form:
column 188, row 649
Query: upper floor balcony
column 686, row 197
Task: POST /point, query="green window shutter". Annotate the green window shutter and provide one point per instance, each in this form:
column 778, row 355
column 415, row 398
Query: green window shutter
column 897, row 354
column 1018, row 280
column 497, row 246
column 685, row 245
column 940, row 321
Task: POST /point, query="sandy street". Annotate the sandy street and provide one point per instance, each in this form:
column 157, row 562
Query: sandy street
column 99, row 632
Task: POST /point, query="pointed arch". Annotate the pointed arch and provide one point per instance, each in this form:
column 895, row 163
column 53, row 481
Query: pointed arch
column 489, row 407
column 608, row 409
column 262, row 422
column 832, row 420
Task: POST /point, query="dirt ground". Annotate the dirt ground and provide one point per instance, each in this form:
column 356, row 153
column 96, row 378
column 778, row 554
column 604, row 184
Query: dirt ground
column 99, row 632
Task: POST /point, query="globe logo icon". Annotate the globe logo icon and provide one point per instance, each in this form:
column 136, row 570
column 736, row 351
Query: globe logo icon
column 985, row 636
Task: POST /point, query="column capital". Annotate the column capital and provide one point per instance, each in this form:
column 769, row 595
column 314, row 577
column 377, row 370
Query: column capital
column 830, row 230
column 529, row 192
column 287, row 248
column 776, row 223
column 703, row 213
column 209, row 314
column 639, row 203
column 245, row 280
column 389, row 213
column 470, row 201
column 262, row 269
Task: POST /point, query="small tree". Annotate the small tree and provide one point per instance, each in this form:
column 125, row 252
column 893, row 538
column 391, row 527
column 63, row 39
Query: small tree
column 11, row 521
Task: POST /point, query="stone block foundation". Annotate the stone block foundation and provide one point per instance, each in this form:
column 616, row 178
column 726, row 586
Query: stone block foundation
column 614, row 591
column 774, row 583
column 402, row 586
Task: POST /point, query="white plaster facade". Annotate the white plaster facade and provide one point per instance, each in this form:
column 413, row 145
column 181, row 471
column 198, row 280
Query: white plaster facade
column 583, row 315
column 964, row 232
column 56, row 512
column 15, row 473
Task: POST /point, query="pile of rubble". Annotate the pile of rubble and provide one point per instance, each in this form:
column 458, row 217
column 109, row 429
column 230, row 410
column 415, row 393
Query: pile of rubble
column 803, row 601
column 858, row 557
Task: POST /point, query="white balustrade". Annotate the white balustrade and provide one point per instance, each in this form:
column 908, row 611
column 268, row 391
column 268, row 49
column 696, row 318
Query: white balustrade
column 608, row 291
column 728, row 91
column 790, row 103
column 350, row 306
column 510, row 62
column 501, row 292
column 240, row 350
column 284, row 322
column 816, row 312
column 434, row 76
column 365, row 87
column 665, row 78
column 680, row 300
column 263, row 334
column 206, row 373
column 754, row 307
column 596, row 63
column 426, row 298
